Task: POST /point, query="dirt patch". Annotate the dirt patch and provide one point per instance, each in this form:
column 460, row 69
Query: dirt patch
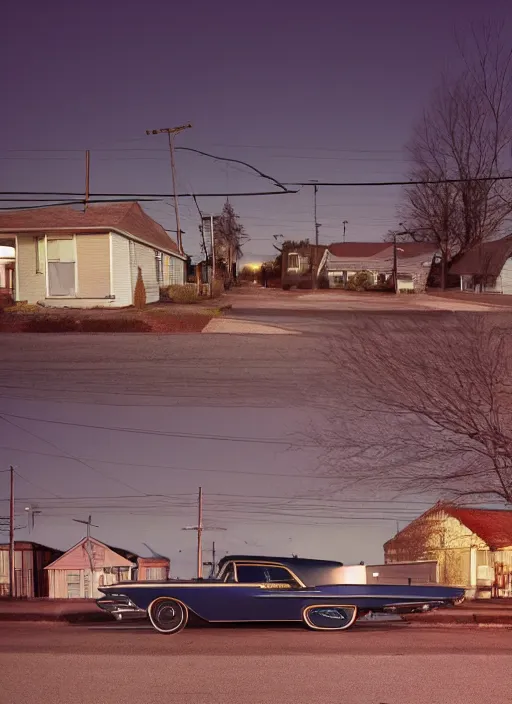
column 126, row 321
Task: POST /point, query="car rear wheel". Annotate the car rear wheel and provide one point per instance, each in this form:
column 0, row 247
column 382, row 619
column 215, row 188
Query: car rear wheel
column 329, row 617
column 168, row 615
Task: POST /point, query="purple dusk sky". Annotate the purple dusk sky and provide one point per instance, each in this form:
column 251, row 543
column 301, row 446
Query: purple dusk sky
column 303, row 90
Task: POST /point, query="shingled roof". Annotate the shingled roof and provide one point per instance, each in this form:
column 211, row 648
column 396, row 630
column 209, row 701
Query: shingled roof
column 494, row 527
column 128, row 218
column 486, row 259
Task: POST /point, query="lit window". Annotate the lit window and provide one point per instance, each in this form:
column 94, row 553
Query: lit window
column 293, row 261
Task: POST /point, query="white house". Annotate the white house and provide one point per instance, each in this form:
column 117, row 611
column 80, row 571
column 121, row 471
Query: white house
column 83, row 258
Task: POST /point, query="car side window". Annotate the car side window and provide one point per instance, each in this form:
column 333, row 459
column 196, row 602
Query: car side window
column 259, row 574
column 229, row 573
column 250, row 574
column 279, row 574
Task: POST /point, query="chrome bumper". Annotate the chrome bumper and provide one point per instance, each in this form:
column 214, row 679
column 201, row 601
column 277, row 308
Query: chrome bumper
column 120, row 606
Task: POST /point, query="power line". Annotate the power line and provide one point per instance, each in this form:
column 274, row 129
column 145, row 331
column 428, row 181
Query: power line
column 69, row 455
column 174, row 468
column 138, row 431
column 401, row 183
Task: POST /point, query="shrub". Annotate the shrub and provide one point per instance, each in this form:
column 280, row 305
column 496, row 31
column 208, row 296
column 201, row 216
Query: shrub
column 23, row 307
column 47, row 323
column 139, row 295
column 360, row 281
column 182, row 294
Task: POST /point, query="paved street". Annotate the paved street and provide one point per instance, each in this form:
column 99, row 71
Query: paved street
column 369, row 665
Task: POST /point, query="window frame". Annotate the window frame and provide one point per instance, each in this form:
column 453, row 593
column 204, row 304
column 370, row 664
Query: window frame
column 288, row 266
column 159, row 267
column 295, row 582
column 48, row 260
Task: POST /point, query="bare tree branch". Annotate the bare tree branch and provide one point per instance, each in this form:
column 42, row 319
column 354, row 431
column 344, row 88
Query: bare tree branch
column 466, row 133
column 431, row 408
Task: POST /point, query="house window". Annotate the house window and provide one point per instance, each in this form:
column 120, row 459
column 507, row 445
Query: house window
column 40, row 254
column 159, row 265
column 293, row 261
column 61, row 267
column 73, row 584
column 153, row 573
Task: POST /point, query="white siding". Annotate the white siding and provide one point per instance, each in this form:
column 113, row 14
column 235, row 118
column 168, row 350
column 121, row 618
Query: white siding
column 121, row 271
column 144, row 257
column 506, row 277
column 177, row 272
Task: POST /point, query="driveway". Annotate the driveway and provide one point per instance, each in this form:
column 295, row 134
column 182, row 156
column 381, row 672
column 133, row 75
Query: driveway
column 319, row 312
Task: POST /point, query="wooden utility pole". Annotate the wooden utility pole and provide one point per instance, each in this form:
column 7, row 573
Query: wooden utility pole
column 317, row 226
column 87, row 177
column 200, row 529
column 345, row 223
column 12, row 570
column 171, row 132
column 395, row 267
column 200, row 534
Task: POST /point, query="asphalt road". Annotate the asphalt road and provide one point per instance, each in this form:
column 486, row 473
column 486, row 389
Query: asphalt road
column 195, row 369
column 56, row 663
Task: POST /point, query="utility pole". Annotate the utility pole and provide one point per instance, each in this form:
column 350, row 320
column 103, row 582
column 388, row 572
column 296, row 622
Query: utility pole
column 200, row 529
column 395, row 266
column 12, row 570
column 207, row 225
column 317, row 226
column 87, row 172
column 345, row 223
column 171, row 132
column 200, row 534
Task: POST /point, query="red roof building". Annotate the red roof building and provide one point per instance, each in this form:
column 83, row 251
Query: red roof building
column 472, row 546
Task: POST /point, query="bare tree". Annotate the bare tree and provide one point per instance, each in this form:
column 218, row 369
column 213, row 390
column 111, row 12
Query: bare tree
column 229, row 236
column 465, row 134
column 429, row 409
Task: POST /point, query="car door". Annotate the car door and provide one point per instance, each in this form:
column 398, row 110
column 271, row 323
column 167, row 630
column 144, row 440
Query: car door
column 267, row 593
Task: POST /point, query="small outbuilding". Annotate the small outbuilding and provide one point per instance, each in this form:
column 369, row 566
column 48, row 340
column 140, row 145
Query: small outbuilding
column 486, row 268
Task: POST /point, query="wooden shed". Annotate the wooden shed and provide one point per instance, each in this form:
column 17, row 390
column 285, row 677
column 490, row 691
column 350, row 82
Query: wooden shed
column 30, row 560
column 90, row 564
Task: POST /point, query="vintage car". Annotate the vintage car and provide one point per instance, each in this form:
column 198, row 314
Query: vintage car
column 263, row 589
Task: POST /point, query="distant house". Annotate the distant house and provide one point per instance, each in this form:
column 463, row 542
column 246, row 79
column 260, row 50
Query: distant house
column 30, row 560
column 300, row 265
column 472, row 547
column 486, row 268
column 65, row 256
column 7, row 259
column 90, row 564
column 343, row 260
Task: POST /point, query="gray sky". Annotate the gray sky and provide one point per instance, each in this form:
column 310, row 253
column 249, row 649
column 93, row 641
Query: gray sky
column 325, row 90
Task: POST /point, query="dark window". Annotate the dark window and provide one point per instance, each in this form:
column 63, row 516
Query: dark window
column 263, row 573
column 279, row 574
column 251, row 573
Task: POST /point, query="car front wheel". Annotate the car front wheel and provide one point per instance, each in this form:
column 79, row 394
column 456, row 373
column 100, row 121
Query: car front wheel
column 168, row 615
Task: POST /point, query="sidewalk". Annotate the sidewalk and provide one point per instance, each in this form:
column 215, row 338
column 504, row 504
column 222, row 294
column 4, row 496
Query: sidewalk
column 67, row 610
column 492, row 612
column 483, row 612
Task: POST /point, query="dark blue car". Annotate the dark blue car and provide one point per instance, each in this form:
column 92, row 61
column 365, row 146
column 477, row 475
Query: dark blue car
column 263, row 589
